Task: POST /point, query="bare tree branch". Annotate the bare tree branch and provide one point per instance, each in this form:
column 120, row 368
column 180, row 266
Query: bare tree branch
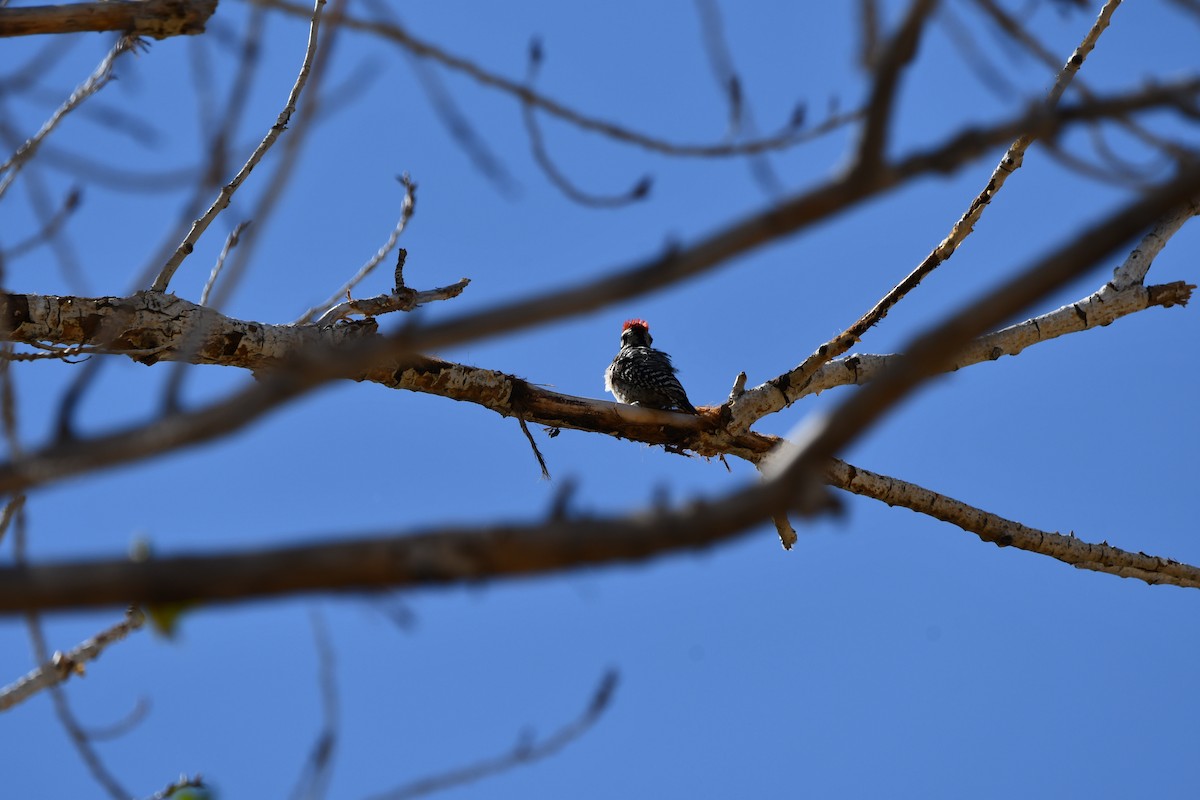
column 868, row 46
column 407, row 207
column 226, row 194
column 888, row 68
column 456, row 555
column 823, row 437
column 523, row 753
column 790, row 137
column 301, row 127
column 159, row 19
column 1006, row 533
column 1017, row 32
column 1121, row 296
column 785, row 218
column 231, row 241
column 973, row 54
column 1133, row 270
column 340, row 339
column 116, row 730
column 61, row 666
column 94, row 83
column 1095, row 311
column 403, row 299
column 41, row 654
column 66, row 717
column 12, row 506
column 452, row 118
column 741, row 113
column 781, row 391
column 318, row 767
column 533, row 445
column 49, row 230
column 541, row 155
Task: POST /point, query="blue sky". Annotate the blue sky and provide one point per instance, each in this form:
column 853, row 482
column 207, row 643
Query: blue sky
column 887, row 654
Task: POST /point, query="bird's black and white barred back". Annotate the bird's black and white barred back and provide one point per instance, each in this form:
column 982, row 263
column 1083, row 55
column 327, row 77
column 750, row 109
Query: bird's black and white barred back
column 643, row 376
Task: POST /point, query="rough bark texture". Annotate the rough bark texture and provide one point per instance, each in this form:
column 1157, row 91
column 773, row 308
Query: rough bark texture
column 158, row 19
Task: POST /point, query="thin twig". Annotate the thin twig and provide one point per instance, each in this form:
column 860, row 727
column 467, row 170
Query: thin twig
column 235, row 105
column 313, row 783
column 720, row 60
column 456, row 123
column 124, row 179
column 62, row 709
column 202, row 73
column 402, row 299
column 115, row 730
column 64, row 356
column 639, row 191
column 536, row 452
column 226, row 194
column 459, row 126
column 741, row 113
column 10, row 510
column 66, row 716
column 407, row 207
column 174, row 384
column 8, row 403
column 40, row 64
column 230, row 242
column 50, row 229
column 63, row 247
column 897, row 53
column 1111, row 174
column 285, row 170
column 783, row 390
column 973, row 54
column 790, row 137
column 58, row 668
column 524, row 753
column 1019, row 33
column 94, row 83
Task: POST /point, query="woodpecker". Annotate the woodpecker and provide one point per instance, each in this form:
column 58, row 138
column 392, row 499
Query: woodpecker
column 643, row 376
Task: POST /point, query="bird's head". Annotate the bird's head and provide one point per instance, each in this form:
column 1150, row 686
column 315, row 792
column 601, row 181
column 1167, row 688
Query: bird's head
column 636, row 333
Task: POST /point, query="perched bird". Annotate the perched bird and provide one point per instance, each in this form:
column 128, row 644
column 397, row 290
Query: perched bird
column 643, row 376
